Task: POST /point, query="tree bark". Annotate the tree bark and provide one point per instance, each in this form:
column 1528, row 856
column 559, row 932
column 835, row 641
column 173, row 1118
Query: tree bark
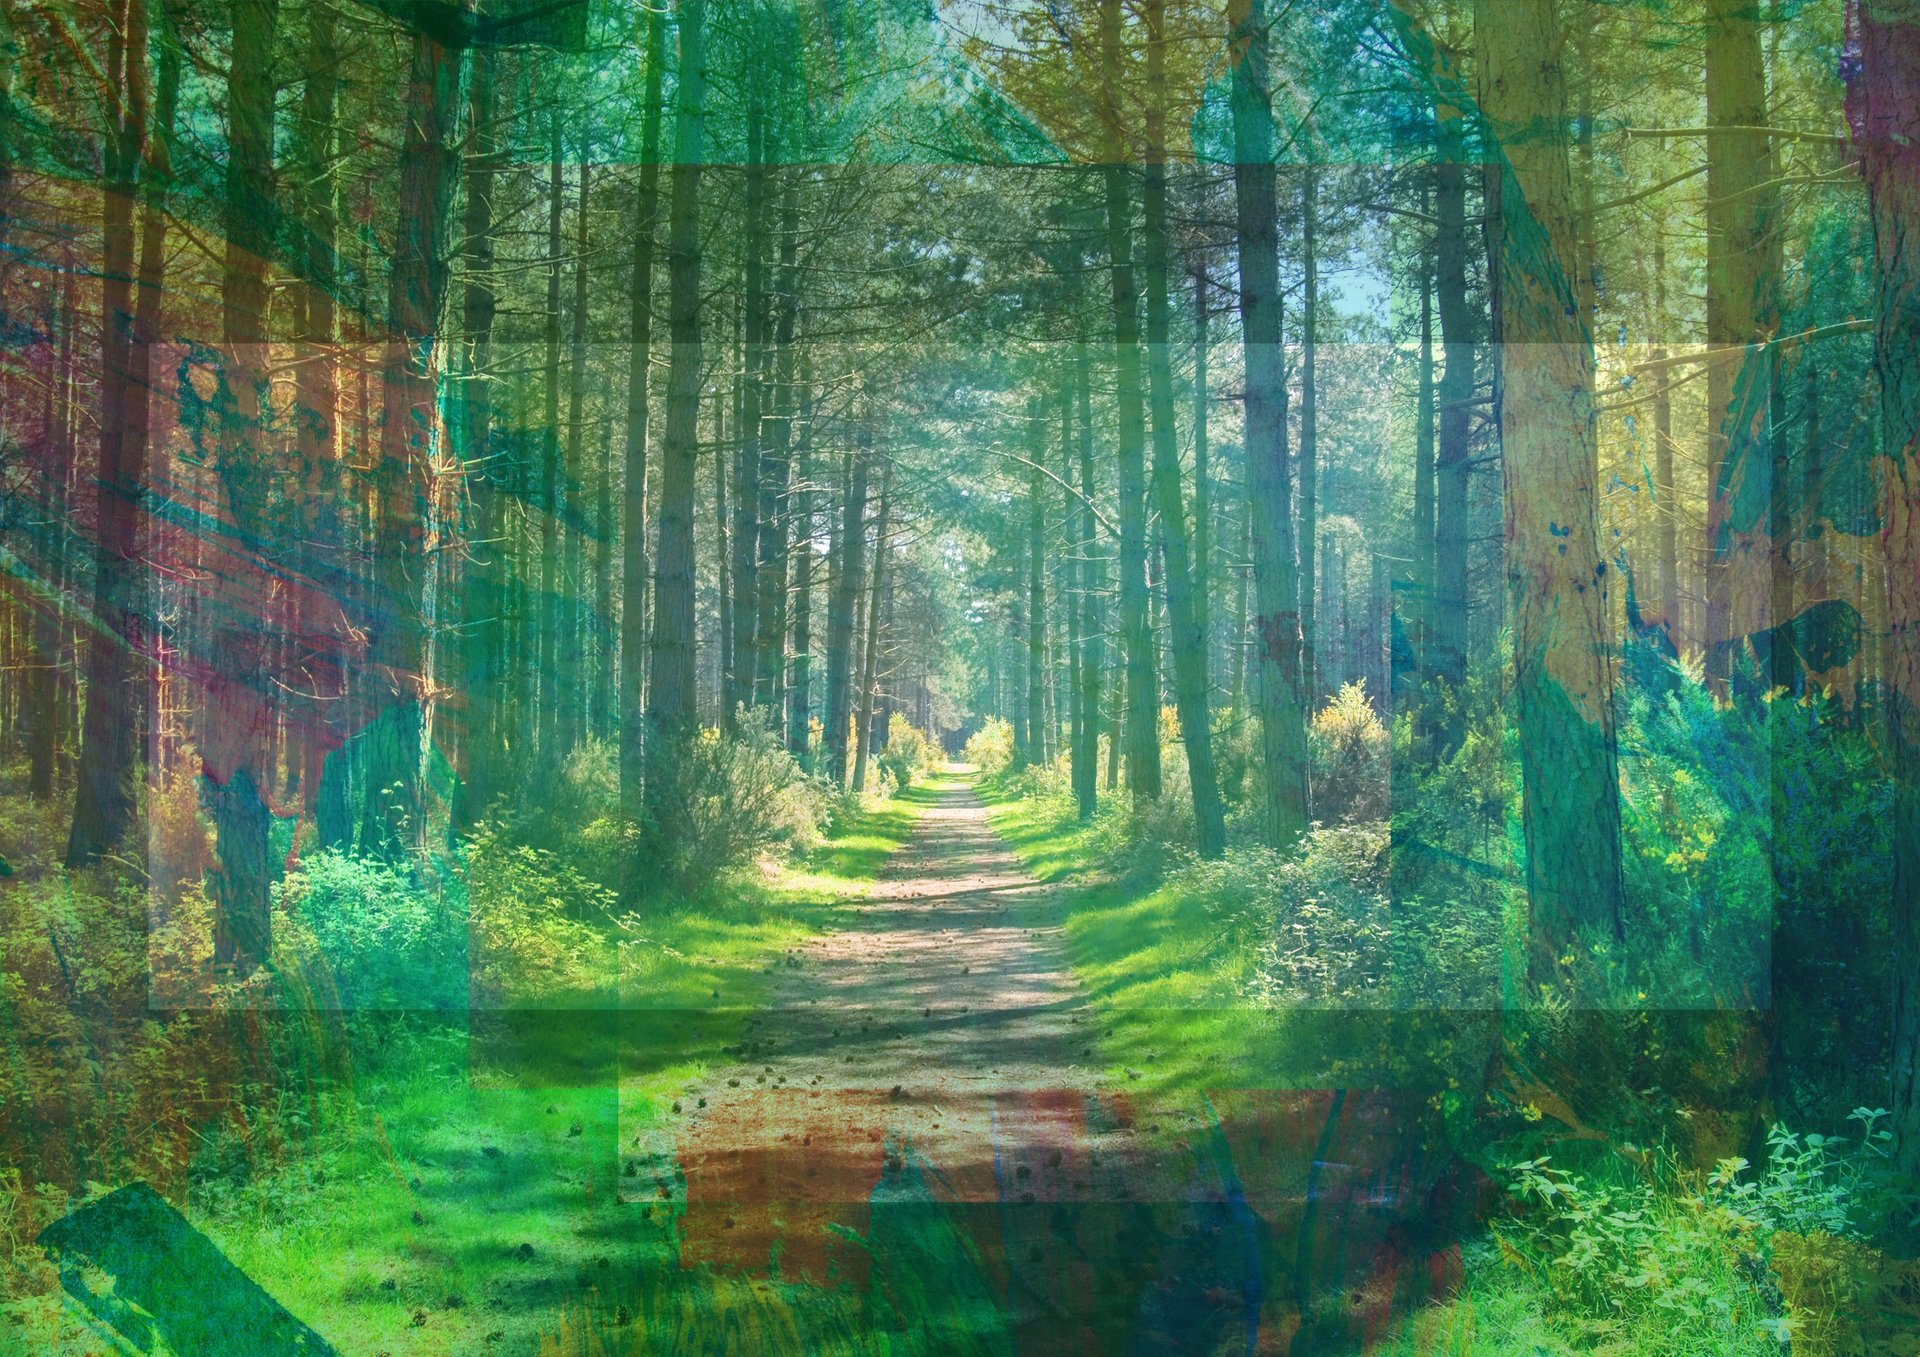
column 1667, row 563
column 748, row 470
column 1413, row 604
column 1093, row 619
column 671, row 694
column 236, row 738
column 776, row 471
column 869, row 669
column 1883, row 107
column 800, row 687
column 393, row 811
column 1557, row 579
column 111, row 742
column 1143, row 689
column 1309, row 474
column 1282, row 695
column 634, row 565
column 1038, row 744
column 844, row 599
column 1186, row 632
column 582, row 649
column 486, row 561
column 1742, row 286
column 1453, row 452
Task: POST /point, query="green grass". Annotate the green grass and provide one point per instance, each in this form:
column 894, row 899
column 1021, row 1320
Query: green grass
column 1168, row 980
column 401, row 1230
column 1156, row 964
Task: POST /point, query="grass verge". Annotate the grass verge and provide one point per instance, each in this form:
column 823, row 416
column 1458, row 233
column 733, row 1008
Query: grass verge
column 465, row 1198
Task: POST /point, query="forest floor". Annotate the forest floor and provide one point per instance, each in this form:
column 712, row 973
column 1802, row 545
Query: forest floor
column 935, row 1052
column 913, row 1101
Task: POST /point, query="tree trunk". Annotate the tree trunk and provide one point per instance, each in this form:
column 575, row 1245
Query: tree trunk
column 1187, row 633
column 552, row 698
column 1309, row 433
column 1557, row 578
column 869, row 669
column 848, row 550
column 582, row 647
column 748, row 471
column 318, row 382
column 1038, row 743
column 486, row 561
column 633, row 509
column 671, row 694
column 236, row 746
column 394, row 804
column 1884, row 110
column 1093, row 619
column 111, row 743
column 1742, row 286
column 1143, row 689
column 1667, row 565
column 1447, row 658
column 1411, row 608
column 1203, row 571
column 776, row 472
column 800, row 687
column 1282, row 696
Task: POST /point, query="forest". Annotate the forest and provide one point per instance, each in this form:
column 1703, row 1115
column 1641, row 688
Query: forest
column 960, row 676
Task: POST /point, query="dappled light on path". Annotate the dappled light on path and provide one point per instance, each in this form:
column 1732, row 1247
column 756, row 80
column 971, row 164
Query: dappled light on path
column 931, row 1079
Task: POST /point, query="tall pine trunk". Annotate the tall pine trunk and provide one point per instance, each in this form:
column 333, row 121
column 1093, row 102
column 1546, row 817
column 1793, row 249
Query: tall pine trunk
column 1281, row 692
column 1557, row 578
column 1309, row 431
column 633, row 509
column 1884, row 110
column 236, row 737
column 1742, row 286
column 748, row 471
column 777, row 470
column 1187, row 633
column 800, row 686
column 870, row 666
column 111, row 737
column 486, row 560
column 1453, row 460
column 578, row 630
column 848, row 550
column 1142, row 711
column 671, row 695
column 1093, row 618
column 394, row 805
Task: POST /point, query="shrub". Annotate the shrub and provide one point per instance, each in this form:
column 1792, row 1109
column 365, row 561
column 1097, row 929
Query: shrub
column 722, row 801
column 1349, row 747
column 1672, row 1260
column 388, row 941
column 990, row 748
column 910, row 752
column 532, row 924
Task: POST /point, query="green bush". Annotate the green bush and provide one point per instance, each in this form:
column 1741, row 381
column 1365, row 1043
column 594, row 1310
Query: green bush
column 1348, row 745
column 720, row 802
column 1664, row 1259
column 910, row 752
column 990, row 748
column 537, row 929
column 388, row 941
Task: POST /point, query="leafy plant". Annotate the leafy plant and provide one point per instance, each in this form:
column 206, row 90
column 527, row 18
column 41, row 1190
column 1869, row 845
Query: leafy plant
column 990, row 748
column 721, row 800
column 389, row 941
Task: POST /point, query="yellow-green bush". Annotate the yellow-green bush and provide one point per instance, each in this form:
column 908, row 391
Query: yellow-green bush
column 990, row 748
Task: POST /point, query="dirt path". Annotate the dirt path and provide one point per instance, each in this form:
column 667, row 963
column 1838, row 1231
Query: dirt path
column 934, row 1052
column 920, row 1116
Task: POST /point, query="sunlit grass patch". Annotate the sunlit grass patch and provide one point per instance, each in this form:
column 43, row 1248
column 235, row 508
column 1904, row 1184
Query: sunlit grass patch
column 475, row 1197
